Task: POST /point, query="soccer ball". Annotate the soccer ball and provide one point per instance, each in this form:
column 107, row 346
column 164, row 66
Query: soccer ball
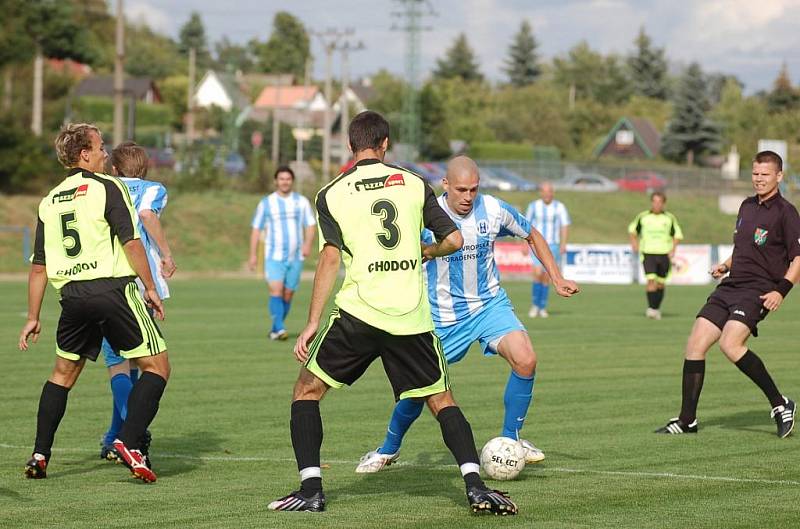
column 502, row 458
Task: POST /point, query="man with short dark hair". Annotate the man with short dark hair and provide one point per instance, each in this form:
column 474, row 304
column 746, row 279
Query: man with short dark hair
column 288, row 221
column 763, row 268
column 87, row 245
column 371, row 217
column 655, row 233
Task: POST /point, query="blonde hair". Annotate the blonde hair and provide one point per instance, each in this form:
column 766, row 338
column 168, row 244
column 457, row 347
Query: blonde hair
column 130, row 159
column 72, row 139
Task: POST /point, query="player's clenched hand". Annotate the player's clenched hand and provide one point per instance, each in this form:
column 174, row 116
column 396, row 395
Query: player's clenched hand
column 772, row 300
column 31, row 330
column 167, row 266
column 301, row 345
column 719, row 270
column 154, row 302
column 566, row 288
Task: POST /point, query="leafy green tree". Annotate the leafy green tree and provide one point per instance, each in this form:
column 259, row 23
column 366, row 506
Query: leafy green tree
column 591, row 75
column 193, row 35
column 433, row 125
column 459, row 62
column 690, row 132
column 784, row 96
column 287, row 49
column 534, row 114
column 466, row 108
column 235, row 57
column 744, row 120
column 648, row 68
column 149, row 54
column 389, row 91
column 522, row 65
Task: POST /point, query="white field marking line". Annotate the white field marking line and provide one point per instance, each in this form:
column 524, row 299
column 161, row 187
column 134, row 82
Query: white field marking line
column 670, row 475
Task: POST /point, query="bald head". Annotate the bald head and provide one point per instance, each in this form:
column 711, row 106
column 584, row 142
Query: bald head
column 546, row 191
column 462, row 168
column 461, row 184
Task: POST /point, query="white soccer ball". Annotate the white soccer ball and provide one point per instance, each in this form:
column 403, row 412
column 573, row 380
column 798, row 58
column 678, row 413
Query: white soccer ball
column 503, row 458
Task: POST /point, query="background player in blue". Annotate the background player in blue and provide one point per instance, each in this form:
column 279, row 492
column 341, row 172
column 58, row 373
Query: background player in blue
column 468, row 304
column 129, row 162
column 551, row 219
column 290, row 227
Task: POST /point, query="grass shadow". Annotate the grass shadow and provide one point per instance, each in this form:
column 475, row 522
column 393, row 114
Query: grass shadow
column 176, row 455
column 407, row 480
column 747, row 421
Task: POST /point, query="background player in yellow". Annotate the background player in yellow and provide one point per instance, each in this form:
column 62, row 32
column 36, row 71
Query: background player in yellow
column 655, row 233
column 371, row 216
column 87, row 245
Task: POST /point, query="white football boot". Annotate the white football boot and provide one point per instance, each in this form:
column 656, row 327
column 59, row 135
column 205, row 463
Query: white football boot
column 532, row 454
column 372, row 462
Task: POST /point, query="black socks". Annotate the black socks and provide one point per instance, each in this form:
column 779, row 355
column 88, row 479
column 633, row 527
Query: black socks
column 142, row 408
column 52, row 405
column 752, row 366
column 693, row 374
column 306, row 430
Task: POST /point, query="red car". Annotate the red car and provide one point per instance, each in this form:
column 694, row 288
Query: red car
column 642, row 181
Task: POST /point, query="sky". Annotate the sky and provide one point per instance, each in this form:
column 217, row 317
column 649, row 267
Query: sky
column 750, row 39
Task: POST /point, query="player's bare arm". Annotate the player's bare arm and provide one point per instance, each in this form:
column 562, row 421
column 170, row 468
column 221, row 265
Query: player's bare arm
column 134, row 251
column 308, row 239
column 634, row 242
column 675, row 242
column 773, row 300
column 152, row 224
column 255, row 237
column 37, row 283
column 324, row 279
column 446, row 246
column 562, row 247
column 540, row 248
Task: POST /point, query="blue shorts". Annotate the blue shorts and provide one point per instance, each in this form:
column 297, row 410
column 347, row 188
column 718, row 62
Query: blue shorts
column 488, row 327
column 555, row 249
column 287, row 272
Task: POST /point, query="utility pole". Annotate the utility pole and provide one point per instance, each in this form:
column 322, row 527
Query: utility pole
column 346, row 47
column 410, row 22
column 119, row 83
column 190, row 98
column 329, row 39
column 38, row 89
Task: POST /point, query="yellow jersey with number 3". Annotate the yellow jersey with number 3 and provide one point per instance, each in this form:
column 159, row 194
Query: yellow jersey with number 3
column 374, row 214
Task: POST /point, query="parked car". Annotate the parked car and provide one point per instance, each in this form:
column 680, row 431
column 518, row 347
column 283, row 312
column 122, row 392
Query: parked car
column 585, row 182
column 642, row 181
column 161, row 158
column 233, row 163
column 517, row 182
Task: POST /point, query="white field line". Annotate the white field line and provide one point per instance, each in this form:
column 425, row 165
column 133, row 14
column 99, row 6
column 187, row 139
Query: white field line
column 668, row 475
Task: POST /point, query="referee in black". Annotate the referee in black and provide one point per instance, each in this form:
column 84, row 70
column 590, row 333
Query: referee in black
column 764, row 267
column 87, row 246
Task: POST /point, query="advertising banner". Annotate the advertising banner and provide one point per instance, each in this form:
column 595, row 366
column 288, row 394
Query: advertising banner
column 689, row 266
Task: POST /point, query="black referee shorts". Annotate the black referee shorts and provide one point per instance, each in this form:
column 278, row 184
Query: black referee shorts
column 656, row 266
column 728, row 302
column 343, row 350
column 110, row 309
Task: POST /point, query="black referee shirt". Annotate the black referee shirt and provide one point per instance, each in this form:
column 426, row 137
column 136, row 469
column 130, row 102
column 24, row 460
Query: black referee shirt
column 766, row 240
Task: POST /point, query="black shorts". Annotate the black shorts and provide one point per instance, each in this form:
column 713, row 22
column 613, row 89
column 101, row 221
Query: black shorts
column 656, row 266
column 731, row 303
column 343, row 350
column 106, row 308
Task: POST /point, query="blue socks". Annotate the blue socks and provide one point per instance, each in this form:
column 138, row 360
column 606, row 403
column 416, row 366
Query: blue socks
column 276, row 310
column 405, row 413
column 121, row 387
column 539, row 294
column 517, row 399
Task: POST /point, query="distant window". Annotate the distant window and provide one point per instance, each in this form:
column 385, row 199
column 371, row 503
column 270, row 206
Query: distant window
column 624, row 137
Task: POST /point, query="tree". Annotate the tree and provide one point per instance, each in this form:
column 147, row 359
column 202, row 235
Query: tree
column 148, row 54
column 459, row 62
column 193, row 35
column 287, row 49
column 435, row 144
column 783, row 97
column 648, row 68
column 690, row 132
column 591, row 75
column 521, row 64
column 235, row 57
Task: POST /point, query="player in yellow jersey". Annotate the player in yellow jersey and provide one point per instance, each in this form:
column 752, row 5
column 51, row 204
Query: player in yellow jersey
column 87, row 245
column 371, row 217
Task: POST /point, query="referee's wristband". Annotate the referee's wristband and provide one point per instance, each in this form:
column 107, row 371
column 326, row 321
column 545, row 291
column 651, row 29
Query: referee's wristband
column 784, row 286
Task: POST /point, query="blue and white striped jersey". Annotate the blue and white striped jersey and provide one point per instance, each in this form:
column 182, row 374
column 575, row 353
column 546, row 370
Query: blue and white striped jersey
column 548, row 219
column 462, row 283
column 146, row 194
column 284, row 218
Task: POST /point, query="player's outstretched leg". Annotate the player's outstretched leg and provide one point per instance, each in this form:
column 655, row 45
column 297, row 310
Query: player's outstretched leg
column 52, row 405
column 306, row 430
column 457, row 435
column 693, row 376
column 405, row 413
column 783, row 409
column 517, row 399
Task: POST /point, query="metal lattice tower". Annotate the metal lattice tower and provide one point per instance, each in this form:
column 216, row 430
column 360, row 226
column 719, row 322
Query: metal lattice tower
column 409, row 20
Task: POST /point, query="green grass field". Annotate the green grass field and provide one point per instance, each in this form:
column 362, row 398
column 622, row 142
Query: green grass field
column 607, row 377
